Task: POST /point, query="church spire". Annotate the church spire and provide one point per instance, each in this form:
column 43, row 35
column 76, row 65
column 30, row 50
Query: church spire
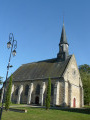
column 63, row 39
column 63, row 46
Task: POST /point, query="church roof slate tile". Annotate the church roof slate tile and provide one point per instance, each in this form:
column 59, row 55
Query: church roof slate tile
column 40, row 70
column 63, row 39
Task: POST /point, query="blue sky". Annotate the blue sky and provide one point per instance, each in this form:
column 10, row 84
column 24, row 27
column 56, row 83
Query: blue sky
column 37, row 26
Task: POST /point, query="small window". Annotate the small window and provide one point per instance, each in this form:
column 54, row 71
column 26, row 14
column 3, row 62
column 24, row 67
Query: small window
column 52, row 89
column 26, row 89
column 16, row 92
column 61, row 48
column 38, row 89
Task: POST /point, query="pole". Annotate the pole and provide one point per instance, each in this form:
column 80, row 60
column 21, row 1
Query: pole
column 7, row 75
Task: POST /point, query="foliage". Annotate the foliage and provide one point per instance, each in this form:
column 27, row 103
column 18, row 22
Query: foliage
column 48, row 96
column 84, row 68
column 0, row 80
column 85, row 76
column 8, row 94
column 0, row 84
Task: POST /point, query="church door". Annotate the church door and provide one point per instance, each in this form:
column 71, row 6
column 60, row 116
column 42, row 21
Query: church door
column 37, row 100
column 74, row 102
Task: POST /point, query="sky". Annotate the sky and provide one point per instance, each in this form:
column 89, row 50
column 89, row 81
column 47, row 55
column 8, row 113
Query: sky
column 37, row 26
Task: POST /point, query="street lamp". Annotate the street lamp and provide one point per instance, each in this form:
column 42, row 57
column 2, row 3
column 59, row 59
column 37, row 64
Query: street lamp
column 13, row 45
column 8, row 44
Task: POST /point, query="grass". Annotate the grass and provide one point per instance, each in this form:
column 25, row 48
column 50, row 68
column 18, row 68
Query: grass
column 11, row 104
column 43, row 114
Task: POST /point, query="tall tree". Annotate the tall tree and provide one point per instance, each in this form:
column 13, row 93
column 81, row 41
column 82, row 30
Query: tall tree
column 48, row 96
column 0, row 80
column 0, row 84
column 85, row 76
column 8, row 94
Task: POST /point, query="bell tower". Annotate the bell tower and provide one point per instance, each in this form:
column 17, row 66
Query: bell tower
column 63, row 46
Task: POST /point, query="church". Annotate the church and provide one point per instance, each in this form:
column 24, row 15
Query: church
column 30, row 80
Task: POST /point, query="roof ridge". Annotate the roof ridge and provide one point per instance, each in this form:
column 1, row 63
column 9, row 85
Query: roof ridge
column 40, row 61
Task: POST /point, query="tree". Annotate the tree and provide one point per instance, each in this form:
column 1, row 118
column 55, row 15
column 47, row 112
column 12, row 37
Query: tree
column 8, row 94
column 48, row 96
column 0, row 84
column 85, row 76
column 0, row 80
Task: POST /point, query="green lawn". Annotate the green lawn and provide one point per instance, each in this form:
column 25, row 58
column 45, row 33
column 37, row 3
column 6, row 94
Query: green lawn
column 42, row 114
column 11, row 104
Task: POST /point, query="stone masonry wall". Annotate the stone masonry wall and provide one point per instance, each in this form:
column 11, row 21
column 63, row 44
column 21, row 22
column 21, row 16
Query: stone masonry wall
column 72, row 76
column 34, row 95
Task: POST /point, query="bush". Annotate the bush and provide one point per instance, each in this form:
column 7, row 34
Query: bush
column 48, row 96
column 8, row 94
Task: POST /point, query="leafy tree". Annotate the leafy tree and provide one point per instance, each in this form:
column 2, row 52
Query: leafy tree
column 8, row 94
column 48, row 96
column 85, row 76
column 0, row 84
column 84, row 68
column 0, row 80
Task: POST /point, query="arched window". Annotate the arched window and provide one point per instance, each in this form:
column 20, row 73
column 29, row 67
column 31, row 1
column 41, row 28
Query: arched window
column 52, row 89
column 26, row 89
column 38, row 89
column 61, row 48
column 16, row 92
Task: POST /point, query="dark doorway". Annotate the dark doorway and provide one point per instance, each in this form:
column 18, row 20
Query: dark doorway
column 37, row 100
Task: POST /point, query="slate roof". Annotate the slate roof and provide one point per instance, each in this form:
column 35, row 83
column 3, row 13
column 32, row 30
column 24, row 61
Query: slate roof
column 63, row 39
column 41, row 70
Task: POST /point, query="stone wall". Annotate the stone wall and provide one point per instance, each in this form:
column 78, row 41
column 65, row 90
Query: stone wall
column 30, row 98
column 72, row 76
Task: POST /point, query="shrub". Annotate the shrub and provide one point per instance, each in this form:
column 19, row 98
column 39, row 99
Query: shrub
column 48, row 96
column 8, row 94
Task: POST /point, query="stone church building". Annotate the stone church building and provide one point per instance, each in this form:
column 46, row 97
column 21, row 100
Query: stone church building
column 30, row 80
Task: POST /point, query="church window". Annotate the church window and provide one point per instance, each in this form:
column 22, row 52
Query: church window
column 61, row 48
column 26, row 89
column 62, row 56
column 52, row 89
column 16, row 92
column 74, row 72
column 38, row 89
